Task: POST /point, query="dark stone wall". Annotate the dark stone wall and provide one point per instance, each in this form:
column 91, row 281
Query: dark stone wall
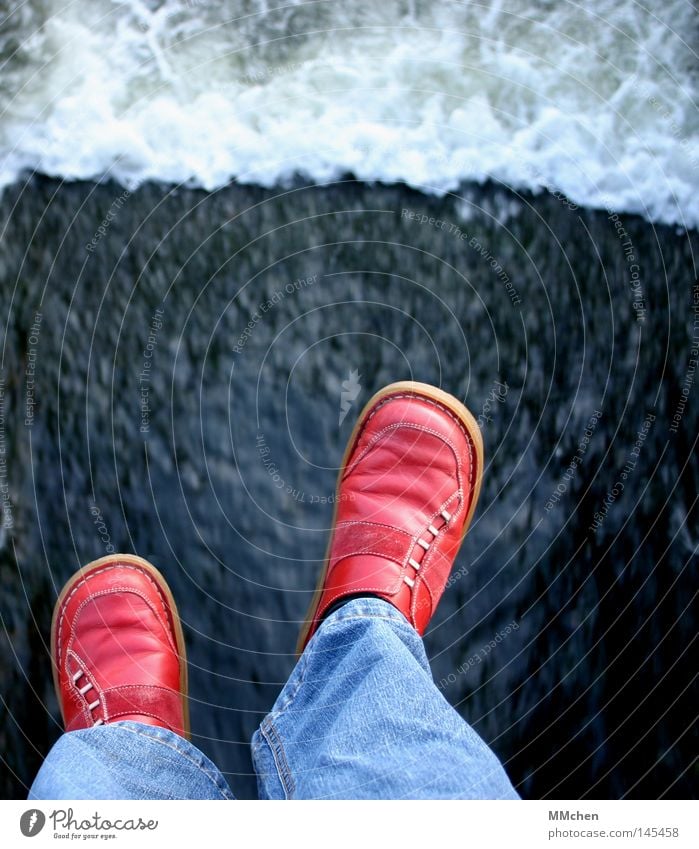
column 566, row 635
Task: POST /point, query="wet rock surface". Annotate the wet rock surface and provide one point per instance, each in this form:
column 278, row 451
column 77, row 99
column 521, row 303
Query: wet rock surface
column 172, row 387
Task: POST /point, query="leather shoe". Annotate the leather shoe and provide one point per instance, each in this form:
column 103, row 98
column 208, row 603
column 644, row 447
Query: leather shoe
column 118, row 649
column 406, row 494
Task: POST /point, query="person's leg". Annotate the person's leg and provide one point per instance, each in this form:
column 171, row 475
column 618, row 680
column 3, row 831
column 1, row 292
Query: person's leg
column 362, row 718
column 120, row 674
column 360, row 715
column 127, row 760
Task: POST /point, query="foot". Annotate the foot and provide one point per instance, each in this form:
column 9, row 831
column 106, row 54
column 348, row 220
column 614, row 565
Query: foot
column 406, row 494
column 118, row 649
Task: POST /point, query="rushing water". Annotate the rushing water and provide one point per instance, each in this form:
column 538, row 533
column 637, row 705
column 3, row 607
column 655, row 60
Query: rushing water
column 596, row 99
column 214, row 215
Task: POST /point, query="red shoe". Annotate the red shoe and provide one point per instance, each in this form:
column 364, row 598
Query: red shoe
column 118, row 649
column 406, row 494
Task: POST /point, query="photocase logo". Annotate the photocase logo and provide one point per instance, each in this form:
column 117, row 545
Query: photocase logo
column 31, row 822
column 350, row 389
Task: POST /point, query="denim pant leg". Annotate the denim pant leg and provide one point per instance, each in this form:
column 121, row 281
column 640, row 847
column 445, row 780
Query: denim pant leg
column 127, row 760
column 361, row 717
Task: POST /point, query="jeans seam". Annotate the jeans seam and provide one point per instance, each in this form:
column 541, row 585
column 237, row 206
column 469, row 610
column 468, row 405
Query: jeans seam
column 273, row 740
column 213, row 779
column 281, row 763
column 267, row 728
column 310, row 649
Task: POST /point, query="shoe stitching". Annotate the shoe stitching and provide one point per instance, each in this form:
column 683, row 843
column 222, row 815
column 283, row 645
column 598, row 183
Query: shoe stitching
column 377, row 437
column 414, row 602
column 470, row 441
column 134, row 708
column 87, row 714
column 86, row 710
column 139, row 712
column 99, row 594
column 419, row 579
column 85, row 578
column 140, row 687
column 424, row 398
column 83, row 582
column 426, row 561
column 378, row 524
column 470, row 447
column 352, row 522
column 103, row 692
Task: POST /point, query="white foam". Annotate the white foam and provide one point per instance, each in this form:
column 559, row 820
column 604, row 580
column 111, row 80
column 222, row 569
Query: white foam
column 599, row 105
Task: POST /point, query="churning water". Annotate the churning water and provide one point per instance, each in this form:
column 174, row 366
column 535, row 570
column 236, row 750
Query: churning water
column 597, row 100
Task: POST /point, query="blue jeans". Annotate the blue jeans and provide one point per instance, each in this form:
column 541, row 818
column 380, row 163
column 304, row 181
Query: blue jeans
column 360, row 717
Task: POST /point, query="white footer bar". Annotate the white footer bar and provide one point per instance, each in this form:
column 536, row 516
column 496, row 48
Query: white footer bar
column 355, row 825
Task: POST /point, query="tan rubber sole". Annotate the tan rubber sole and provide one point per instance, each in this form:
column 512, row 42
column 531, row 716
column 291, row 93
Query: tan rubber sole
column 424, row 390
column 129, row 560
